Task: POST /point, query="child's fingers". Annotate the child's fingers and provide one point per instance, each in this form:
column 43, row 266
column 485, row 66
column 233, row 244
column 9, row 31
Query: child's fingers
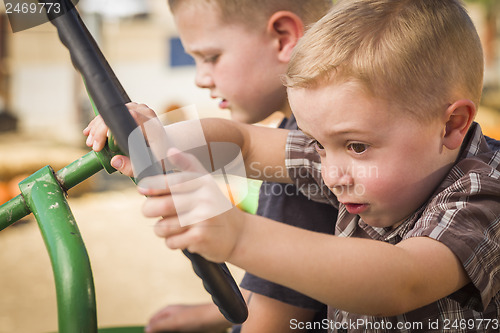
column 159, row 206
column 185, row 162
column 169, row 227
column 99, row 135
column 188, row 182
column 177, row 242
column 87, row 129
column 155, row 185
column 164, row 312
column 194, row 239
column 90, row 140
column 123, row 165
column 97, row 119
column 163, row 320
column 140, row 112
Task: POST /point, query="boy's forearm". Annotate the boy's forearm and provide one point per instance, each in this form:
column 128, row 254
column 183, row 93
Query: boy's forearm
column 263, row 149
column 268, row 315
column 356, row 275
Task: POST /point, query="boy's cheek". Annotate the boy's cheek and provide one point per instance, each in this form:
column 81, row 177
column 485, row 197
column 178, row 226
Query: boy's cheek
column 390, row 194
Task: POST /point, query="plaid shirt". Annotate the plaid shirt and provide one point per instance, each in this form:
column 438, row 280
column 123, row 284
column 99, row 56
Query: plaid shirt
column 463, row 214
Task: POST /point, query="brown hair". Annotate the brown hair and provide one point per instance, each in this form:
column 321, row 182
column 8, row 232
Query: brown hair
column 417, row 53
column 251, row 12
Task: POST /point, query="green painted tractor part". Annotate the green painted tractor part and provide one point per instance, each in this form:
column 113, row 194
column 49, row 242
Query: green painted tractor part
column 44, row 194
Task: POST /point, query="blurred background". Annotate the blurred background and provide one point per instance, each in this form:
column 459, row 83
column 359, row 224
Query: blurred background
column 43, row 110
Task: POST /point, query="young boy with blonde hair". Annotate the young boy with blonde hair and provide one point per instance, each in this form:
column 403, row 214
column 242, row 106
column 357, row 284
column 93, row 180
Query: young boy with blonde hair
column 386, row 92
column 241, row 49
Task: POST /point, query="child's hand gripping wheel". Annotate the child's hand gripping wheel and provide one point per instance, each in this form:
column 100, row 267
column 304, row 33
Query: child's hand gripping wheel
column 110, row 99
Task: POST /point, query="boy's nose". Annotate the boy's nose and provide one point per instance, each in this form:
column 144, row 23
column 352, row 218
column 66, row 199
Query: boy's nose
column 203, row 79
column 335, row 176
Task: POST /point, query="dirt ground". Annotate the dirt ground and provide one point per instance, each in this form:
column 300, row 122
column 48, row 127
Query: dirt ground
column 135, row 274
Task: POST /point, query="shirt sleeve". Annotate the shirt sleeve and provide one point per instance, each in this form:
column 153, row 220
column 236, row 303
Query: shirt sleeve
column 278, row 292
column 304, row 168
column 492, row 143
column 466, row 218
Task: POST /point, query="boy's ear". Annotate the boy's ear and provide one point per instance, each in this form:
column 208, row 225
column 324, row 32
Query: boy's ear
column 459, row 117
column 287, row 28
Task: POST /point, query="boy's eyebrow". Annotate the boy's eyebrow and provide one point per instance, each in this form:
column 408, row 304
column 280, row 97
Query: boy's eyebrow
column 200, row 51
column 338, row 133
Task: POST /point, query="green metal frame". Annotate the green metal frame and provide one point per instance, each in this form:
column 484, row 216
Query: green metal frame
column 67, row 177
column 44, row 194
column 70, row 263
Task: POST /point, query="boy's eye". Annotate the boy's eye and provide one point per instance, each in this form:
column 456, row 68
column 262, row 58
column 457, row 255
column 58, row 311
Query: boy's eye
column 357, row 148
column 211, row 59
column 318, row 145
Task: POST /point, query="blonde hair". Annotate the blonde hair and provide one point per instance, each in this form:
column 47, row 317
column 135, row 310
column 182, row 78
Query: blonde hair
column 416, row 53
column 252, row 12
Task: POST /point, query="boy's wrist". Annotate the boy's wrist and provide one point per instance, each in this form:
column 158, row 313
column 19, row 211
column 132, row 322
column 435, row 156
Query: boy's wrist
column 238, row 251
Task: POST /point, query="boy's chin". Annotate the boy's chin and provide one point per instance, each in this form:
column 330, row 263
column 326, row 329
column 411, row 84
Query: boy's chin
column 377, row 221
column 242, row 116
column 383, row 222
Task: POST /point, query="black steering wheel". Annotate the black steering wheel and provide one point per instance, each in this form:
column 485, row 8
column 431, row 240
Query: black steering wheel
column 110, row 99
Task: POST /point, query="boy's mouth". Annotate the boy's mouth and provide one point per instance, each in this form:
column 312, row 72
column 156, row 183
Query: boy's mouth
column 354, row 208
column 223, row 104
